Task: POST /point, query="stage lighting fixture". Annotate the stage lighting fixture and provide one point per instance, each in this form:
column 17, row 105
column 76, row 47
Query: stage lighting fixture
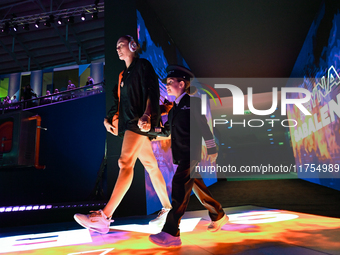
column 83, row 16
column 47, row 23
column 15, row 27
column 60, row 20
column 6, row 27
column 70, row 20
column 26, row 26
column 51, row 18
column 37, row 23
column 95, row 15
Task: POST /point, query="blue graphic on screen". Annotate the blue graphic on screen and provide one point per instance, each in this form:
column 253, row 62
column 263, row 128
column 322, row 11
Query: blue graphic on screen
column 316, row 138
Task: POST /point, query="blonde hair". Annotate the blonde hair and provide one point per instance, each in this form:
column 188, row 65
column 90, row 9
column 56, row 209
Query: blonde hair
column 191, row 90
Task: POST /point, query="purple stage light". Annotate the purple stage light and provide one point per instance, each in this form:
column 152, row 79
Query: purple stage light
column 44, row 207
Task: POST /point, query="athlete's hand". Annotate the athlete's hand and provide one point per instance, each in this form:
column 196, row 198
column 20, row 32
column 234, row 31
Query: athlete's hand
column 108, row 126
column 144, row 123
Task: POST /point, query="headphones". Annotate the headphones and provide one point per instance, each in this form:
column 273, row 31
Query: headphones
column 132, row 44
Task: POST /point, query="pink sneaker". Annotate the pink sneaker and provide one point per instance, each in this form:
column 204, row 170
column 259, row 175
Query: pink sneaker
column 161, row 218
column 216, row 225
column 165, row 240
column 96, row 221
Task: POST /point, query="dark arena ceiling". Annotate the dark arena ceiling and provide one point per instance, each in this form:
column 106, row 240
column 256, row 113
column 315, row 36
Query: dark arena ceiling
column 222, row 38
column 53, row 44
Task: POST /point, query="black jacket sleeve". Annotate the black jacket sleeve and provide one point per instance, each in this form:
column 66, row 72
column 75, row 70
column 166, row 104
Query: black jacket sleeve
column 151, row 86
column 201, row 122
column 114, row 107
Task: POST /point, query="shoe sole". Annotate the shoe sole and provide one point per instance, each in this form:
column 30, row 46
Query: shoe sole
column 90, row 228
column 221, row 225
column 161, row 224
column 171, row 245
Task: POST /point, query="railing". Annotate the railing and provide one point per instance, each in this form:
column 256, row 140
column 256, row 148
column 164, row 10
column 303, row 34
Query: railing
column 53, row 98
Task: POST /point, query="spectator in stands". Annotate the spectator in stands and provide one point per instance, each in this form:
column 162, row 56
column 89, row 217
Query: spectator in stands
column 70, row 95
column 46, row 100
column 28, row 92
column 96, row 88
column 48, row 93
column 70, row 85
column 23, row 103
column 7, row 100
column 14, row 100
column 90, row 81
column 56, row 98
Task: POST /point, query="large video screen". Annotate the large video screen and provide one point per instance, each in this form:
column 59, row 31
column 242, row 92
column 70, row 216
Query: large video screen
column 316, row 137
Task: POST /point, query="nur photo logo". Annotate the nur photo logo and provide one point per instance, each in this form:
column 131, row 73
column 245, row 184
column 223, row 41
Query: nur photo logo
column 277, row 97
column 204, row 97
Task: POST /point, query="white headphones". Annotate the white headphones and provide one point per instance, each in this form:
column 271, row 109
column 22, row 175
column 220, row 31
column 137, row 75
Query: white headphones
column 132, row 44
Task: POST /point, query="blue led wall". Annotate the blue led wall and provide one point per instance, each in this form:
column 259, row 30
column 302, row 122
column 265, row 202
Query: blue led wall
column 316, row 138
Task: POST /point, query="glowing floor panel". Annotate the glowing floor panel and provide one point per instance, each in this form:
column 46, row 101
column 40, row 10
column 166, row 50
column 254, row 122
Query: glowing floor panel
column 44, row 240
column 251, row 230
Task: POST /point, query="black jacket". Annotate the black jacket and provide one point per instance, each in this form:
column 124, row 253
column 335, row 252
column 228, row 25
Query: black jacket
column 140, row 82
column 187, row 127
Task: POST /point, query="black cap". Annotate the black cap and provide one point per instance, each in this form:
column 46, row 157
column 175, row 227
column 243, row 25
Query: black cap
column 177, row 71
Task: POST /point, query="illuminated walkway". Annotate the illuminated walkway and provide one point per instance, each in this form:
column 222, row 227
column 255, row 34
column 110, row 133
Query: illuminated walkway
column 251, row 230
